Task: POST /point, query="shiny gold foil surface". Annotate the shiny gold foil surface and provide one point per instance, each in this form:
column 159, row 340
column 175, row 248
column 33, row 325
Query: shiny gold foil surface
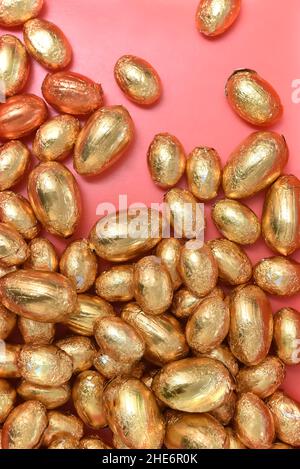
column 51, row 397
column 42, row 256
column 16, row 12
column 278, row 276
column 36, row 333
column 224, row 355
column 262, row 379
column 62, row 441
column 14, row 64
column 163, row 334
column 21, row 115
column 87, row 395
column 153, row 288
column 56, row 138
column 236, row 221
column 254, row 164
column 254, row 422
column 166, row 160
column 234, row 265
column 193, row 385
column 208, row 325
column 24, row 427
column 103, row 140
column 47, row 44
column 168, row 251
column 17, row 212
column 80, row 265
column 253, row 98
column 8, row 361
column 55, row 198
column 214, row 17
column 40, row 296
column 198, row 268
column 110, row 368
column 184, row 303
column 14, row 160
column 72, row 93
column 279, row 445
column 138, row 80
column 7, row 322
column 234, row 441
column 45, row 365
column 251, row 324
column 13, row 248
column 286, row 413
column 286, row 335
column 133, row 414
column 81, row 350
column 204, row 172
column 93, row 443
column 116, row 284
column 114, row 240
column 62, row 423
column 7, row 399
column 224, row 414
column 194, row 431
column 281, row 215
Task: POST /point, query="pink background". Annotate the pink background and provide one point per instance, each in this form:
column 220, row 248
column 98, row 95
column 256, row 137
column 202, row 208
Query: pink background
column 193, row 70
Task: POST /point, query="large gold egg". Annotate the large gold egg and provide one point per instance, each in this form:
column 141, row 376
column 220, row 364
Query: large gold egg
column 51, row 397
column 278, row 276
column 116, row 284
column 16, row 12
column 214, row 17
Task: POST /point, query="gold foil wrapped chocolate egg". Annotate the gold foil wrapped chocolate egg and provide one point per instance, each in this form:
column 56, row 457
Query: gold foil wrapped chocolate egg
column 208, row 325
column 234, row 265
column 42, row 256
column 56, row 138
column 214, row 17
column 262, row 379
column 184, row 213
column 40, row 296
column 81, row 350
column 21, row 115
column 198, row 268
column 281, row 215
column 45, row 365
column 278, row 276
column 287, row 335
column 7, row 322
column 16, row 12
column 63, row 441
column 8, row 360
column 133, row 414
column 286, row 413
column 13, row 248
column 168, row 250
column 59, row 423
column 184, row 303
column 7, row 399
column 253, row 98
column 88, row 310
column 55, row 198
column 251, row 324
column 114, row 239
column 14, row 65
column 72, row 93
column 111, row 368
column 17, row 212
column 14, row 160
column 224, row 414
column 163, row 335
column 51, row 397
column 93, row 443
column 25, row 425
column 119, row 340
column 166, row 160
column 36, row 333
column 254, row 422
column 254, row 164
column 153, row 288
column 224, row 355
column 87, row 396
column 47, row 44
column 138, row 80
column 194, row 431
column 236, row 221
column 80, row 265
column 103, row 140
column 116, row 284
column 204, row 172
column 234, row 441
column 193, row 385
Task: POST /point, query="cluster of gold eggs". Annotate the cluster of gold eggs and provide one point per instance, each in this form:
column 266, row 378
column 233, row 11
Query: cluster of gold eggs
column 181, row 364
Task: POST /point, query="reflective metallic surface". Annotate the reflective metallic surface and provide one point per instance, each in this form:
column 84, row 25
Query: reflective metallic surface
column 254, row 164
column 16, row 12
column 16, row 210
column 14, row 64
column 63, row 441
column 7, row 399
column 116, row 284
column 281, row 215
column 224, row 355
column 80, row 265
column 62, row 423
column 13, row 248
column 286, row 413
column 204, row 171
column 51, row 397
column 14, row 160
column 168, row 251
column 42, row 255
column 55, row 198
column 103, row 140
column 278, row 276
column 214, row 17
column 81, row 350
column 224, row 414
column 166, row 160
column 36, row 333
column 184, row 303
column 138, row 80
column 92, row 443
column 8, row 361
column 286, row 335
column 110, row 368
column 47, row 44
column 234, row 441
column 251, row 324
column 7, row 322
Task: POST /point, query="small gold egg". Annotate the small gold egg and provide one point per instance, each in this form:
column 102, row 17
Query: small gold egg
column 214, row 17
column 16, row 12
column 224, row 355
column 7, row 322
column 8, row 360
column 7, row 399
column 116, row 284
column 36, row 333
column 13, row 248
column 278, row 276
column 204, row 172
column 168, row 250
column 184, row 303
column 17, row 212
column 287, row 335
column 286, row 413
column 14, row 161
column 111, row 368
column 14, row 64
column 51, row 397
column 87, row 396
column 81, row 350
column 42, row 255
column 62, row 423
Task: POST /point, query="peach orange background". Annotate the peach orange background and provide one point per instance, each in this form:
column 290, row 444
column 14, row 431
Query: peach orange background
column 193, row 70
